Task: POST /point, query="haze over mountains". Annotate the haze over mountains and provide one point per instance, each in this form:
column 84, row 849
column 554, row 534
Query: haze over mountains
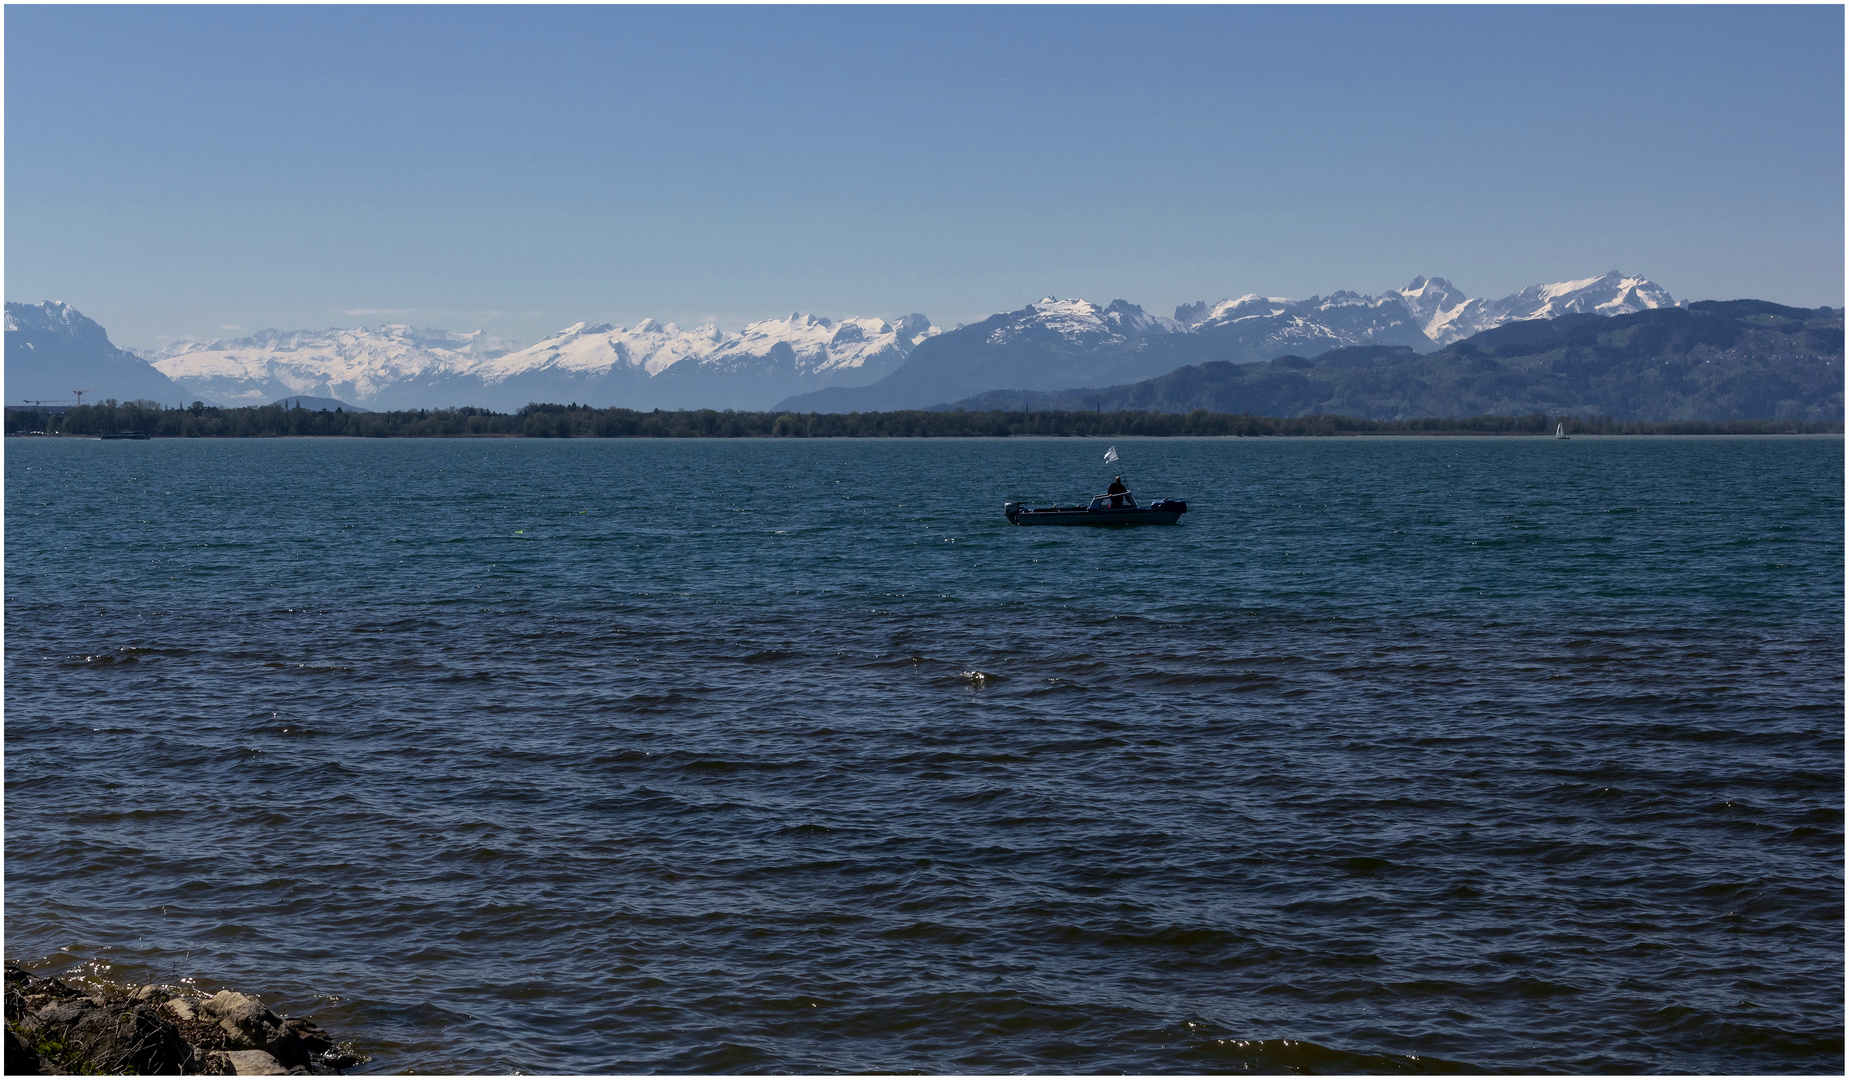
column 802, row 362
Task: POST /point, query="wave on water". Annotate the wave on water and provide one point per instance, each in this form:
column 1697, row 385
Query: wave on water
column 1409, row 756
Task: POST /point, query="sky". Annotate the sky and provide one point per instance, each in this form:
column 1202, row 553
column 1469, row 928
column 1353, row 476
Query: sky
column 209, row 171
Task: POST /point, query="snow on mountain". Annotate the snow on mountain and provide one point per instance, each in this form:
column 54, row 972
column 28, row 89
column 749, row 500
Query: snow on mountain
column 1131, row 321
column 1436, row 304
column 817, row 346
column 844, row 353
column 1081, row 322
column 652, row 364
column 1439, row 311
column 1608, row 294
column 357, row 365
column 1249, row 306
column 1057, row 344
column 52, row 349
column 1274, row 325
column 54, row 316
column 648, row 349
column 1447, row 315
column 1074, row 320
column 400, row 366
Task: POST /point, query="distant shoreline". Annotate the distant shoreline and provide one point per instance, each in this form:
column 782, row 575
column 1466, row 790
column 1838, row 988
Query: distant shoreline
column 581, row 422
column 1360, row 436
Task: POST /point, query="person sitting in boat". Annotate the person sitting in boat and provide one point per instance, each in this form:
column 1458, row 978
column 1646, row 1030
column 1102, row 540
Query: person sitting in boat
column 1117, row 491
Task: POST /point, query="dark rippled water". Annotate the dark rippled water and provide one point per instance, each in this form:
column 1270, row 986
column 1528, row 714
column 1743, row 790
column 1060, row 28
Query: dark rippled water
column 749, row 756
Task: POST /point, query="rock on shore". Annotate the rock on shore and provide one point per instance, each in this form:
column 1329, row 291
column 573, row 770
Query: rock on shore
column 56, row 1029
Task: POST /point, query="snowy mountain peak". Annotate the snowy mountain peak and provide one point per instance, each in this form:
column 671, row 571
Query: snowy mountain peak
column 1425, row 292
column 1420, row 285
column 50, row 314
column 1250, row 306
column 801, row 347
column 1274, row 325
column 1612, row 293
column 1435, row 304
column 1440, row 311
column 1130, row 319
column 1072, row 319
column 1073, row 315
column 582, row 329
column 1447, row 315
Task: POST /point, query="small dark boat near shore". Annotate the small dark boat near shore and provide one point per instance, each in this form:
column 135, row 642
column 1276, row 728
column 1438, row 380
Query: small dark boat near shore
column 1102, row 510
column 124, row 435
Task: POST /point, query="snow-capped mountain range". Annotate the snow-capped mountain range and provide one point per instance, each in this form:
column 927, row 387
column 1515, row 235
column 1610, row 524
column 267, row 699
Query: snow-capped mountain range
column 647, row 365
column 1447, row 315
column 1080, row 320
column 1438, row 310
column 805, row 361
column 1056, row 344
column 357, row 365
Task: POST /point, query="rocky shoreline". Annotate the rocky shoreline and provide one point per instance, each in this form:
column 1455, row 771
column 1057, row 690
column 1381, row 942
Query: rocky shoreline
column 55, row 1029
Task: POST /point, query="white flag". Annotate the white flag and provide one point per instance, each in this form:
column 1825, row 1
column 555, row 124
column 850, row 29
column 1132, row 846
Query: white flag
column 1110, row 455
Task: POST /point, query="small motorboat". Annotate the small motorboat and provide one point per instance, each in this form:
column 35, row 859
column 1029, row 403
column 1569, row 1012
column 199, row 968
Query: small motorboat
column 136, row 435
column 1102, row 510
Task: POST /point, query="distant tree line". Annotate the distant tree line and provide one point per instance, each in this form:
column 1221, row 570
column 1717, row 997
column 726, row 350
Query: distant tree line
column 583, row 422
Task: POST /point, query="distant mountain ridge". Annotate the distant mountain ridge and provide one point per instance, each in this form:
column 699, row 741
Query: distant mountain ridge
column 392, row 363
column 52, row 349
column 1710, row 360
column 1054, row 344
column 804, row 361
column 1447, row 315
column 647, row 365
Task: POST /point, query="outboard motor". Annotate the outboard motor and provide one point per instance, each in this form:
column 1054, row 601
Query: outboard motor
column 1011, row 509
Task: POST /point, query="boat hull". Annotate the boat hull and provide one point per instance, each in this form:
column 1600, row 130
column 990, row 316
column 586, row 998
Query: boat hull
column 1081, row 516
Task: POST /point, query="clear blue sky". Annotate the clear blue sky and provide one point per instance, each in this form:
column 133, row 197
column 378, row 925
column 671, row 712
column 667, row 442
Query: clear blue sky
column 172, row 171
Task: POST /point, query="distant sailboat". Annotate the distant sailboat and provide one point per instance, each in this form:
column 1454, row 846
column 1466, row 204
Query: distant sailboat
column 1560, row 431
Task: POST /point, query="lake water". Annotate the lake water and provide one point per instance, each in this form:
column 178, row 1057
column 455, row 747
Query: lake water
column 1399, row 754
